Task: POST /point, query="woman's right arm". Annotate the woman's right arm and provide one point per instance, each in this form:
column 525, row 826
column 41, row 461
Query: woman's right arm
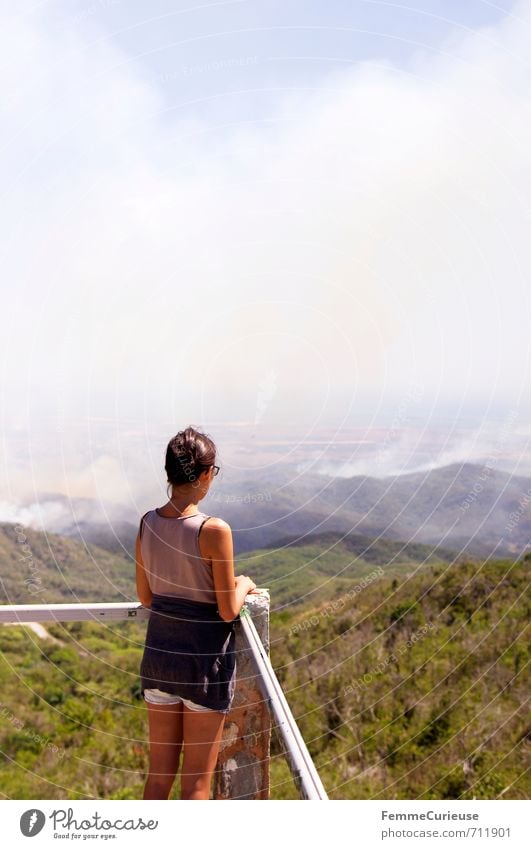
column 230, row 591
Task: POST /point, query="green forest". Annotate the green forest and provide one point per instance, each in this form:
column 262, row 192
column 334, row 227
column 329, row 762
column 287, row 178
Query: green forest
column 406, row 672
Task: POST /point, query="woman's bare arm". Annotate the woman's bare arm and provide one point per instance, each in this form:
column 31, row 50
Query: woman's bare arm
column 143, row 589
column 217, row 545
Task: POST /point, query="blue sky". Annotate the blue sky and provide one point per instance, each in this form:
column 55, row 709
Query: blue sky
column 315, row 210
column 196, row 50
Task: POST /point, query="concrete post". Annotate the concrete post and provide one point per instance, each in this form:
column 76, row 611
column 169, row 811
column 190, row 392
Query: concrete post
column 242, row 770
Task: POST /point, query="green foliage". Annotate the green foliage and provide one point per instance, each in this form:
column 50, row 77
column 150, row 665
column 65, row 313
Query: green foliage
column 62, row 657
column 326, row 566
column 388, row 710
column 53, row 694
column 40, row 568
column 393, row 708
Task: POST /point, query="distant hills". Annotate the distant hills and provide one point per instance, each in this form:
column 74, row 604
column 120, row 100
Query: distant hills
column 469, row 508
column 322, row 566
column 45, row 567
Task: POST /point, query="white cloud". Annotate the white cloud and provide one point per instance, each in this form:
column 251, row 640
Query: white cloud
column 384, row 216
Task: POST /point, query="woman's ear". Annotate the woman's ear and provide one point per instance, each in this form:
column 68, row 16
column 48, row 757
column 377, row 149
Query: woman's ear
column 202, row 478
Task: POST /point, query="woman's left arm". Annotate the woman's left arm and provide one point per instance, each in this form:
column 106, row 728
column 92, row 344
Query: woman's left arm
column 143, row 590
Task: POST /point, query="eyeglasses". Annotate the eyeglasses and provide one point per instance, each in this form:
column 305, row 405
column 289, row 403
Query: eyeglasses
column 216, row 470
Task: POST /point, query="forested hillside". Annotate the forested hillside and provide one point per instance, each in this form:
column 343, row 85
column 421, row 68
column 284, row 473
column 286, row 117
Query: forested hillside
column 47, row 568
column 409, row 686
column 416, row 689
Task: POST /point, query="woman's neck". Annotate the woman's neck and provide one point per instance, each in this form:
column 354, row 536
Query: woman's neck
column 184, row 508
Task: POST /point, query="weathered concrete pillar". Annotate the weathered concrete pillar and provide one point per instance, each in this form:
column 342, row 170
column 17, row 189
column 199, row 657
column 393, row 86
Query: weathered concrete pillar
column 242, row 770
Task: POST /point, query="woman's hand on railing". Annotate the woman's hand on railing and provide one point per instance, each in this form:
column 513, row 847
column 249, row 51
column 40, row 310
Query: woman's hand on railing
column 251, row 586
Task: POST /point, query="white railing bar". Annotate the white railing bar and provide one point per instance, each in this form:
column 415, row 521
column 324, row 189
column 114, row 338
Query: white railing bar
column 25, row 613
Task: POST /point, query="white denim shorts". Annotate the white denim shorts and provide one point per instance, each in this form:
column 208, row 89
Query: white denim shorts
column 158, row 697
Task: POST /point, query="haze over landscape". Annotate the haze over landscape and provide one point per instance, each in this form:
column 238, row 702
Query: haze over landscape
column 302, row 227
column 323, row 261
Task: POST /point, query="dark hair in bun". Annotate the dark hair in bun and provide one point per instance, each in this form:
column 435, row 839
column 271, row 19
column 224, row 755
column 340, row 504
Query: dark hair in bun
column 188, row 454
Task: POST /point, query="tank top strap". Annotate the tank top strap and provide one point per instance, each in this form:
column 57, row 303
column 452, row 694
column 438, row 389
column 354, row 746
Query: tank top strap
column 205, row 516
column 142, row 523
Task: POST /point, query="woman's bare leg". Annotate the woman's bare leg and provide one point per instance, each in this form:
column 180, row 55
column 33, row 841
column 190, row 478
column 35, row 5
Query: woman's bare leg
column 202, row 736
column 165, row 743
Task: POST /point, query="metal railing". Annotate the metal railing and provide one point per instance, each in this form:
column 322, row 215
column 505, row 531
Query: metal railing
column 299, row 760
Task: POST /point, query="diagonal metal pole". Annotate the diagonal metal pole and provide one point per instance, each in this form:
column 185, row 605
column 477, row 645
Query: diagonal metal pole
column 299, row 759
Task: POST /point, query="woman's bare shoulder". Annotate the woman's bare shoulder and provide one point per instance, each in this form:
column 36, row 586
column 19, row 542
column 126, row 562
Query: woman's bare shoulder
column 216, row 524
column 215, row 537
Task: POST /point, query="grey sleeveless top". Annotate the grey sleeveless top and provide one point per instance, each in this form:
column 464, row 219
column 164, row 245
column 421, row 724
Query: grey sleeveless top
column 172, row 558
